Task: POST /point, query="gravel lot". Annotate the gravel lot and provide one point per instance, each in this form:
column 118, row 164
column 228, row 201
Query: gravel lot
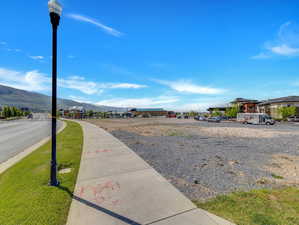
column 207, row 159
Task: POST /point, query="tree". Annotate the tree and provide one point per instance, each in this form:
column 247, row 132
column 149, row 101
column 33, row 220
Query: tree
column 192, row 114
column 232, row 111
column 216, row 112
column 14, row 111
column 90, row 113
column 286, row 112
column 7, row 112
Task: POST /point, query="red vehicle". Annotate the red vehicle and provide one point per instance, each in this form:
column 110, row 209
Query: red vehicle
column 171, row 115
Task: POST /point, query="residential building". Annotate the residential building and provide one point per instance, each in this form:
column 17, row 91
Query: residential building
column 246, row 105
column 271, row 106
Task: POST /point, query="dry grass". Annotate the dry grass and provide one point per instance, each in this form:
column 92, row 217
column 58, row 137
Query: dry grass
column 165, row 127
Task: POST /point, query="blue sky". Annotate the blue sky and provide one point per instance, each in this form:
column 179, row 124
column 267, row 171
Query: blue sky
column 182, row 55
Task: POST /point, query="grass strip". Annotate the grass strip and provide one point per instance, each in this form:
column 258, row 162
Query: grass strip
column 257, row 207
column 26, row 198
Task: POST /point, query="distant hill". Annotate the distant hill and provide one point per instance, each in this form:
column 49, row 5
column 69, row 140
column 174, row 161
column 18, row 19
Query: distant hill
column 39, row 103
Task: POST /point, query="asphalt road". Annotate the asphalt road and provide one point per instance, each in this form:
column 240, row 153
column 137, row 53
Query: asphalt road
column 16, row 136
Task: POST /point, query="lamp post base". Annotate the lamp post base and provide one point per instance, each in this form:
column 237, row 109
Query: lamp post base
column 54, row 184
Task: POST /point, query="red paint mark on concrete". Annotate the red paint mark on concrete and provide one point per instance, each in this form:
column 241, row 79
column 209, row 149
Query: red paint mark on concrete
column 101, row 193
column 81, row 191
column 98, row 151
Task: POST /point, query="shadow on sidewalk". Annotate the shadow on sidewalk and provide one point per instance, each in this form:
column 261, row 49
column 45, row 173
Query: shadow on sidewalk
column 99, row 208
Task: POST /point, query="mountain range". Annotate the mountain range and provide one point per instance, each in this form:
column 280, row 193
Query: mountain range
column 37, row 102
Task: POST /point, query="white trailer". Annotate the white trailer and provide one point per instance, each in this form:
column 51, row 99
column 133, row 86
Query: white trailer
column 255, row 118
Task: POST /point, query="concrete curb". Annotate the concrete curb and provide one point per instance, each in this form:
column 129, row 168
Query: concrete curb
column 17, row 158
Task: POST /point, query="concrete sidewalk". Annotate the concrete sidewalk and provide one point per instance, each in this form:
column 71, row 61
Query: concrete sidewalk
column 117, row 187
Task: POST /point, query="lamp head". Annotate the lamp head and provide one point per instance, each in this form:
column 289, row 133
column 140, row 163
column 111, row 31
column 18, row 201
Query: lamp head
column 55, row 7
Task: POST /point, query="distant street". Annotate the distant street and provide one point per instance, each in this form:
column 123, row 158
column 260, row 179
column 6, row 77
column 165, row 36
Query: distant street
column 15, row 136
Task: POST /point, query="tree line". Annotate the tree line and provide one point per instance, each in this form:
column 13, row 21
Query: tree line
column 11, row 111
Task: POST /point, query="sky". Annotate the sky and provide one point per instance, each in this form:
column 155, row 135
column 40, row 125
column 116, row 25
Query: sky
column 179, row 55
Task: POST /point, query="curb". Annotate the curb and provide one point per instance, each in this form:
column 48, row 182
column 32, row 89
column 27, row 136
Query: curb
column 17, row 158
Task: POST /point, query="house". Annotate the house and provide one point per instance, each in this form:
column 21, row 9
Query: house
column 271, row 106
column 148, row 112
column 246, row 105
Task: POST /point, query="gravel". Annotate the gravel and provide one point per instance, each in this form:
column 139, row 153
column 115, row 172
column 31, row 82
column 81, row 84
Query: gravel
column 208, row 159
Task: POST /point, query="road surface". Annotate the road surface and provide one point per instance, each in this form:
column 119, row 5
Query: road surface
column 16, row 136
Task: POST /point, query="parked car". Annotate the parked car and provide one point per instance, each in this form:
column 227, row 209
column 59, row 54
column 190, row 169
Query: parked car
column 199, row 118
column 293, row 119
column 30, row 116
column 214, row 119
column 171, row 115
column 224, row 118
column 255, row 118
column 186, row 117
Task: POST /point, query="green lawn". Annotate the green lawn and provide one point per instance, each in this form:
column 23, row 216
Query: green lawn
column 26, row 198
column 259, row 207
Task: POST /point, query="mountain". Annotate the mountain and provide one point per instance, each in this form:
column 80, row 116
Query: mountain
column 40, row 103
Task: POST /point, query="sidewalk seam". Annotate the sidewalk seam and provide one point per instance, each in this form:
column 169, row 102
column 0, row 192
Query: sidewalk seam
column 156, row 221
column 116, row 174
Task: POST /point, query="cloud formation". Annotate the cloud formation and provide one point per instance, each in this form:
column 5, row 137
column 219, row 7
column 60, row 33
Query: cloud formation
column 285, row 44
column 139, row 102
column 30, row 81
column 185, row 86
column 38, row 57
column 36, row 81
column 108, row 30
column 284, row 50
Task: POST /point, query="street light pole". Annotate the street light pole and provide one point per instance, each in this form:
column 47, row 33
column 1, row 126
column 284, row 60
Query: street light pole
column 55, row 13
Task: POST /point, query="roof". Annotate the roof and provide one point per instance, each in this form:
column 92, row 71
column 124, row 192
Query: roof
column 244, row 100
column 148, row 110
column 279, row 100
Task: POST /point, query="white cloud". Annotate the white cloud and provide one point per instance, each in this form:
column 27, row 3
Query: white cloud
column 286, row 43
column 198, row 107
column 30, row 81
column 139, row 102
column 38, row 57
column 167, row 102
column 71, row 56
column 284, row 50
column 80, row 99
column 36, row 81
column 3, row 43
column 105, row 28
column 89, row 87
column 86, row 87
column 262, row 55
column 185, row 86
column 127, row 85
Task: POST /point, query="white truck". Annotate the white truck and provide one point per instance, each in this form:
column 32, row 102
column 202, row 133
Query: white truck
column 255, row 118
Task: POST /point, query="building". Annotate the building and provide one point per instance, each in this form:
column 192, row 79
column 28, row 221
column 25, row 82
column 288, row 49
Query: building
column 271, row 106
column 246, row 105
column 148, row 112
column 75, row 112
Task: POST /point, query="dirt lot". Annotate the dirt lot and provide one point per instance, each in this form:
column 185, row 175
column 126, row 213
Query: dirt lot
column 206, row 159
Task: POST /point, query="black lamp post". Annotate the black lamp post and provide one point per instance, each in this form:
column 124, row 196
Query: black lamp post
column 55, row 13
